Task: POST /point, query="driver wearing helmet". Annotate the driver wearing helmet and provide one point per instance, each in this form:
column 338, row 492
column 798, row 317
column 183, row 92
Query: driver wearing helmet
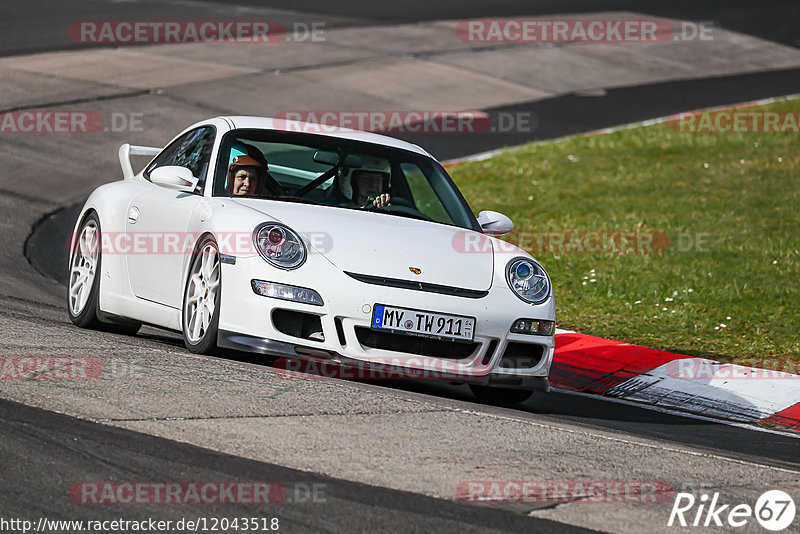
column 368, row 186
column 245, row 176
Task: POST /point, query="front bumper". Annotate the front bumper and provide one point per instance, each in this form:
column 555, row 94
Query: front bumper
column 349, row 368
column 247, row 322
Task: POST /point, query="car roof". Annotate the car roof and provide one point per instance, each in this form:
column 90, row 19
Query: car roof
column 270, row 123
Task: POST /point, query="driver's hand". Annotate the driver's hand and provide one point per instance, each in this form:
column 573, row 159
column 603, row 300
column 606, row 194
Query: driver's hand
column 382, row 200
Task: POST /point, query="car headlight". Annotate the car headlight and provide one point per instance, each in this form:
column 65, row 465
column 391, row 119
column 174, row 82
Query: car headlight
column 528, row 280
column 279, row 245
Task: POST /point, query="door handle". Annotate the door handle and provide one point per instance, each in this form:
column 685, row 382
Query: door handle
column 133, row 215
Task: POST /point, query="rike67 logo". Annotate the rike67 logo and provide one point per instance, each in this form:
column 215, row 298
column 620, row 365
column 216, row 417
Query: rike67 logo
column 774, row 510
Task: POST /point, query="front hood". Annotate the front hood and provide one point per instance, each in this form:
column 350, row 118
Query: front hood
column 377, row 244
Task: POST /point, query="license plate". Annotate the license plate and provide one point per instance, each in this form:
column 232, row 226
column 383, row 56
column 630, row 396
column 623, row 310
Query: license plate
column 423, row 323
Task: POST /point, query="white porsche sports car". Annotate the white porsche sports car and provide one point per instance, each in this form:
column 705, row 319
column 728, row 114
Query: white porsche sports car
column 342, row 246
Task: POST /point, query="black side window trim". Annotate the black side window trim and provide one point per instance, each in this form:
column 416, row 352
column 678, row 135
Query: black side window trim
column 152, row 164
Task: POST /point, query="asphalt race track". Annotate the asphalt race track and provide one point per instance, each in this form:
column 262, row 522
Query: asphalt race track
column 387, row 457
column 46, row 18
column 36, row 440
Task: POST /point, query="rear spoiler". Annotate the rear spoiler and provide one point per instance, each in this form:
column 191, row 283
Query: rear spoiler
column 125, row 153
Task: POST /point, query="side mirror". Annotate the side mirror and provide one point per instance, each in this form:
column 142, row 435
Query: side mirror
column 494, row 223
column 174, row 177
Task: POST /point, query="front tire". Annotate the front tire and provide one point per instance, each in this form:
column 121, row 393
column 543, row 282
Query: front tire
column 83, row 286
column 494, row 395
column 200, row 313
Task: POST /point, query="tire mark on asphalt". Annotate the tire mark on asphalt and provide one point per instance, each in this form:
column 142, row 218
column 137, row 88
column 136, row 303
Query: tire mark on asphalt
column 100, row 98
column 275, row 416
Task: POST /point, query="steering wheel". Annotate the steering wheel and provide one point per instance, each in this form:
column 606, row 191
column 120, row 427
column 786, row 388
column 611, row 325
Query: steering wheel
column 400, row 201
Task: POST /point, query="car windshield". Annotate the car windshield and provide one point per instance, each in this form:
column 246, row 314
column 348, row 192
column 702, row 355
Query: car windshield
column 341, row 173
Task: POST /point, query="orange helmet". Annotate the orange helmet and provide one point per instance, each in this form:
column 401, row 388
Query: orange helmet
column 240, row 162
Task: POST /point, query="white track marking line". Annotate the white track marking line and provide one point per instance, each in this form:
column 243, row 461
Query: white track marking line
column 480, row 156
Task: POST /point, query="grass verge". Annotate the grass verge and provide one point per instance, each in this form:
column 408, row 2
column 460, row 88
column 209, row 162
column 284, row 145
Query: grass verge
column 719, row 211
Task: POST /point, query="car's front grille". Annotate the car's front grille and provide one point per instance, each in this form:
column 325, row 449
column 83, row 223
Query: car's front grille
column 419, row 286
column 420, row 346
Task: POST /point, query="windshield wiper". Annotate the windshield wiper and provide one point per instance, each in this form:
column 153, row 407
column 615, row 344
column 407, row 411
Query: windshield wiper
column 294, row 198
column 389, row 211
column 286, row 198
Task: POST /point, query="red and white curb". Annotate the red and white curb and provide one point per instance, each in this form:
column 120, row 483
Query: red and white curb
column 698, row 386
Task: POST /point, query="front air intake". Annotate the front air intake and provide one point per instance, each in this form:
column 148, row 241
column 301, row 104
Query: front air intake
column 521, row 355
column 420, row 346
column 298, row 324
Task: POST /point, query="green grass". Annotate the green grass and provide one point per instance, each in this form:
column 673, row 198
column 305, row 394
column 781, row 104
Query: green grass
column 739, row 192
